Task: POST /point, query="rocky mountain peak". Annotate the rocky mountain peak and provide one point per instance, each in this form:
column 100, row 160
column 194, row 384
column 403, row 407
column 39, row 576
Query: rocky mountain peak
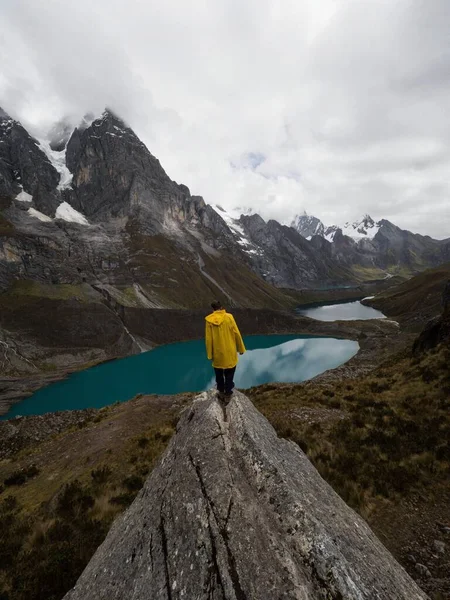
column 308, row 226
column 115, row 176
column 363, row 227
column 254, row 221
column 111, row 169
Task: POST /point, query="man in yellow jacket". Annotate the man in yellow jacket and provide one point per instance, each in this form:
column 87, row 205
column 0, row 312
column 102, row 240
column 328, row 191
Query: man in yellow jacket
column 223, row 342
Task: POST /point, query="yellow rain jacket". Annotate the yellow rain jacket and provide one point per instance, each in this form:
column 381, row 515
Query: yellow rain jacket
column 223, row 340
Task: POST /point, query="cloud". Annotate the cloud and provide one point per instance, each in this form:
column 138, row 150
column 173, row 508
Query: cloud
column 339, row 107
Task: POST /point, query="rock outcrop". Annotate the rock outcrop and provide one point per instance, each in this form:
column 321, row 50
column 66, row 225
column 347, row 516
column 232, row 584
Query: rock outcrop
column 233, row 512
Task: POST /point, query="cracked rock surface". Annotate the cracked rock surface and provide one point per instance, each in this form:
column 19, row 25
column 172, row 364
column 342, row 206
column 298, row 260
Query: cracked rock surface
column 234, row 513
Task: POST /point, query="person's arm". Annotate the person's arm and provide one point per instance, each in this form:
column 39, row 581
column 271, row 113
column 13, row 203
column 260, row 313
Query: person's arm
column 238, row 337
column 209, row 341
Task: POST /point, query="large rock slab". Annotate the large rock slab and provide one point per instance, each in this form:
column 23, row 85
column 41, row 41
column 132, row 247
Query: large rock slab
column 234, row 513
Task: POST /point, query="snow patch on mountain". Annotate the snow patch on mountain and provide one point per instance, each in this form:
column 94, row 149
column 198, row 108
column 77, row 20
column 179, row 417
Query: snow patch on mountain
column 68, row 213
column 64, row 211
column 24, row 197
column 330, row 232
column 58, row 160
column 231, row 218
column 232, row 221
column 38, row 215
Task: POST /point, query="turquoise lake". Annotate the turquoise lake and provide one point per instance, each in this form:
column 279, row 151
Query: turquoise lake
column 344, row 311
column 183, row 367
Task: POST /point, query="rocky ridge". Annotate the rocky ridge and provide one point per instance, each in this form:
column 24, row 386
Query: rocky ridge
column 233, row 512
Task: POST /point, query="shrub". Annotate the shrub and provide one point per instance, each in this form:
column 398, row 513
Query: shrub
column 123, row 499
column 74, row 500
column 142, row 442
column 101, row 475
column 32, row 471
column 133, row 483
column 20, row 477
column 9, row 504
column 16, row 478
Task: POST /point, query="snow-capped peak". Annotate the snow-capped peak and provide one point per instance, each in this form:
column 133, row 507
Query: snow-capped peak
column 308, row 225
column 364, row 228
column 231, row 218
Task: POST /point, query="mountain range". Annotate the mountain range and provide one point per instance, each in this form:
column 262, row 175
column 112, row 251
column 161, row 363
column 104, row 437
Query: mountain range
column 367, row 244
column 100, row 181
column 93, row 233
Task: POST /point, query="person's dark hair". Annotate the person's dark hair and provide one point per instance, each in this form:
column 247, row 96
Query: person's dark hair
column 216, row 305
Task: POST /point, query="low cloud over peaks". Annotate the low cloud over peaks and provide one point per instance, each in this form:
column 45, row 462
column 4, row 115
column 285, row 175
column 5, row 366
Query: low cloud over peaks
column 338, row 107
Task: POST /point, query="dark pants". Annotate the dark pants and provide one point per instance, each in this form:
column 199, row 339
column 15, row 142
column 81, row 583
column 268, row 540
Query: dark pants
column 224, row 380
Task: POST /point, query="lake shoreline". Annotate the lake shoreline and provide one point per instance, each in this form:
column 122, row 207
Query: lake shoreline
column 185, row 325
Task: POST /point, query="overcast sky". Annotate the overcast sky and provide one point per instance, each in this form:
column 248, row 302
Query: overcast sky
column 336, row 107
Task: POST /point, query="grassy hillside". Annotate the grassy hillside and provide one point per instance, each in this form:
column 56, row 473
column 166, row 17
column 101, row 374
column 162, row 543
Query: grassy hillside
column 58, row 498
column 172, row 276
column 417, row 300
column 382, row 441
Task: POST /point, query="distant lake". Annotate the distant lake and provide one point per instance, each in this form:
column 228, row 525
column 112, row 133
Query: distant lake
column 183, row 367
column 343, row 311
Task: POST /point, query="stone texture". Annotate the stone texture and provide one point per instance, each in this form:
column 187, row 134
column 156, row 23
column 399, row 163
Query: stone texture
column 234, row 513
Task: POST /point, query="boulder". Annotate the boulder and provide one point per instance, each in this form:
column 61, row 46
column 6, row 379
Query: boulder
column 232, row 512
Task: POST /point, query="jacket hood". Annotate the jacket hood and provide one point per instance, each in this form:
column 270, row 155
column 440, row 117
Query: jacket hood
column 217, row 317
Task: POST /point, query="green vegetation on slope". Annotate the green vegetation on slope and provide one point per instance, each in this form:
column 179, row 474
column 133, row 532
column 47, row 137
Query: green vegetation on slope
column 58, row 500
column 380, row 436
column 417, row 300
column 63, row 291
column 175, row 280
